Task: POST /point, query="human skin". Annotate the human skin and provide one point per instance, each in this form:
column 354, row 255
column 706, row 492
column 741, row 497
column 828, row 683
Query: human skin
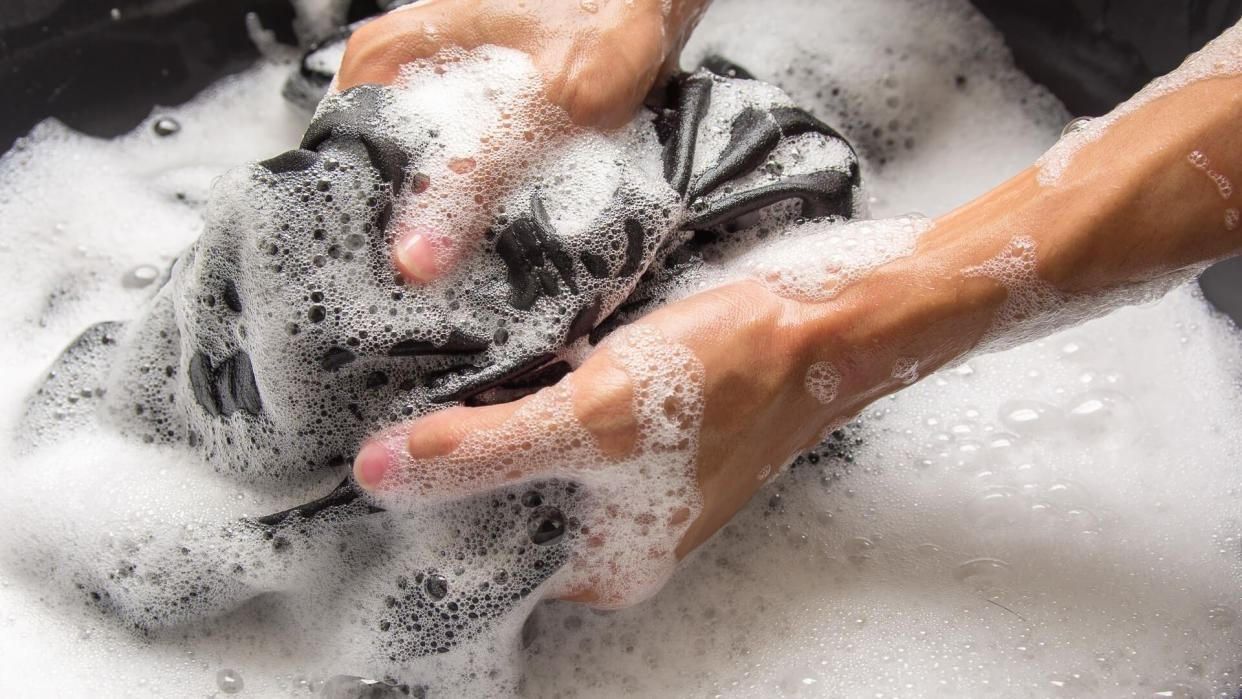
column 1129, row 208
column 596, row 66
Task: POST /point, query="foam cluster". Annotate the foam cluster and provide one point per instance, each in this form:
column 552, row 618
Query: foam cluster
column 1056, row 519
column 283, row 337
column 1033, row 308
column 814, row 261
column 822, row 382
column 637, row 506
column 905, row 370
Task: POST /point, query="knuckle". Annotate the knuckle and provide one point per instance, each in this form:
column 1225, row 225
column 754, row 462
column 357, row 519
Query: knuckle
column 604, row 408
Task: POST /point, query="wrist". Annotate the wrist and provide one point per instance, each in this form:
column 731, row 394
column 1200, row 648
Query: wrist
column 1153, row 194
column 917, row 313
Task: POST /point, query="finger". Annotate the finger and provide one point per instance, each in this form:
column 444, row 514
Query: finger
column 377, row 50
column 583, row 422
column 461, row 451
column 419, row 254
column 411, row 454
column 458, row 203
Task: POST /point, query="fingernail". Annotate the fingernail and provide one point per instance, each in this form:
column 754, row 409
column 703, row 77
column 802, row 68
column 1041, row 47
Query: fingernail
column 372, row 462
column 415, row 256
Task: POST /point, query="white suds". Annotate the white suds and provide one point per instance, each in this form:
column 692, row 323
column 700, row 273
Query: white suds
column 906, row 370
column 1029, row 300
column 638, row 506
column 814, row 261
column 1059, row 519
column 822, row 382
column 1200, row 162
column 1034, row 308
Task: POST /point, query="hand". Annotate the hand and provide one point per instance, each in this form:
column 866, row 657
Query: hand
column 765, row 375
column 596, row 69
column 596, row 66
column 676, row 420
column 697, row 399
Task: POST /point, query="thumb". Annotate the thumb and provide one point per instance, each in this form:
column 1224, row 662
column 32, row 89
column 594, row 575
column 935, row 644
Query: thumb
column 458, row 202
column 585, row 422
column 377, row 50
column 461, row 451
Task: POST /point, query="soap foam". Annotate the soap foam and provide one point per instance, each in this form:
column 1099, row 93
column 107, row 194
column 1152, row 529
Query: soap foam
column 1051, row 520
column 822, row 382
column 639, row 505
column 816, row 260
column 906, row 370
column 1033, row 308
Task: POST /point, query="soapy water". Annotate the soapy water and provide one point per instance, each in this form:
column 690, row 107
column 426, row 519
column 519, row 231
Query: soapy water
column 822, row 382
column 282, row 338
column 1037, row 522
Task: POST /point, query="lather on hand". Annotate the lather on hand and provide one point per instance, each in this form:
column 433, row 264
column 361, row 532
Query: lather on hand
column 1130, row 207
column 596, row 66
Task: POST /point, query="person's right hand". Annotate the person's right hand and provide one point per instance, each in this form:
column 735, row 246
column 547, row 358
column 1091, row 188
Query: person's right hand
column 770, row 373
column 597, row 59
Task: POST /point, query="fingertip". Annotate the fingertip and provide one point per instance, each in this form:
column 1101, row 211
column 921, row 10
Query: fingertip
column 373, row 462
column 415, row 255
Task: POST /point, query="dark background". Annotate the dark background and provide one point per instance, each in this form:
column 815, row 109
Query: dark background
column 70, row 58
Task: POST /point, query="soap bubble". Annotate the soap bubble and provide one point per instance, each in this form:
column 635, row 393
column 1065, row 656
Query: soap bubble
column 1031, row 418
column 140, row 276
column 982, row 573
column 858, row 549
column 229, row 682
column 1222, row 616
column 1105, row 417
column 166, row 126
column 996, row 507
column 1075, row 124
column 1067, row 494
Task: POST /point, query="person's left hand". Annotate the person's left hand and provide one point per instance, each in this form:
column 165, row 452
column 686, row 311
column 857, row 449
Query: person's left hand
column 704, row 397
column 594, row 70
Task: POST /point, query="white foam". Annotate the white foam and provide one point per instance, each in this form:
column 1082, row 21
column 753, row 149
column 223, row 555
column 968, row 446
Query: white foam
column 906, row 370
column 1033, row 308
column 822, row 382
column 316, row 20
column 639, row 505
column 813, row 261
column 1057, row 519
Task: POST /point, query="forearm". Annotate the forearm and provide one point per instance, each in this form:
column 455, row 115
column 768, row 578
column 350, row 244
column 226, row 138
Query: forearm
column 1131, row 207
column 1153, row 195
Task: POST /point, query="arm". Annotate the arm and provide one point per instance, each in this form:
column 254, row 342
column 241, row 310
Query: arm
column 1132, row 206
